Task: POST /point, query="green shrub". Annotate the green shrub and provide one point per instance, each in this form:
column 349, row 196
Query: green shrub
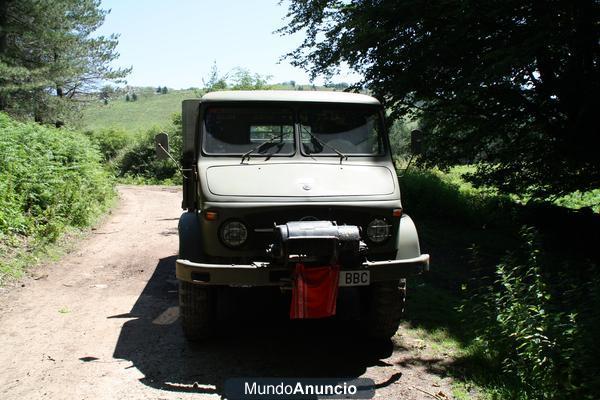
column 110, row 141
column 139, row 163
column 50, row 179
column 538, row 320
column 429, row 194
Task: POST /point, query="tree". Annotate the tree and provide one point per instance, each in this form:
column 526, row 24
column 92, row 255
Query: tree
column 511, row 86
column 237, row 79
column 243, row 79
column 106, row 92
column 127, row 98
column 215, row 81
column 134, row 96
column 49, row 56
column 164, row 90
column 159, row 90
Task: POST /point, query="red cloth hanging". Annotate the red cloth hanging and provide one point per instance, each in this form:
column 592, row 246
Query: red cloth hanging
column 314, row 291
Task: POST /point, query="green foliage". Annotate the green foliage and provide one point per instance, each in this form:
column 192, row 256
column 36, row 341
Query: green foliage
column 510, row 85
column 50, row 180
column 164, row 90
column 215, row 80
column 539, row 324
column 399, row 133
column 243, row 79
column 238, row 79
column 578, row 200
column 110, row 141
column 432, row 194
column 49, row 55
column 139, row 163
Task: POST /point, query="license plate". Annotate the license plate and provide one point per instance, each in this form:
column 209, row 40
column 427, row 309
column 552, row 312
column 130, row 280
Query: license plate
column 355, row 278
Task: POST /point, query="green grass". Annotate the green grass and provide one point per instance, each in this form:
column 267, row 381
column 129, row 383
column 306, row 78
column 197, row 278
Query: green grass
column 147, row 111
column 453, row 178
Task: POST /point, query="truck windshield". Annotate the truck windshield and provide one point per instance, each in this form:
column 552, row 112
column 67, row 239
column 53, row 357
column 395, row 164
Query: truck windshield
column 351, row 130
column 238, row 130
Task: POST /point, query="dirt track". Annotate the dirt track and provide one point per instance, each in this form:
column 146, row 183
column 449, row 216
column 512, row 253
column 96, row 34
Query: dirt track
column 103, row 324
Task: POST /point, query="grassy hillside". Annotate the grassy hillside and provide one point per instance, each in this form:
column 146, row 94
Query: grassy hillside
column 150, row 109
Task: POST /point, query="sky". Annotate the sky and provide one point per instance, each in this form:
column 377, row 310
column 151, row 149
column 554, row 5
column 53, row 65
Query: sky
column 175, row 43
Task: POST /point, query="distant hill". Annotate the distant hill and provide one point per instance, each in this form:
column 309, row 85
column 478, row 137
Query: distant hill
column 150, row 109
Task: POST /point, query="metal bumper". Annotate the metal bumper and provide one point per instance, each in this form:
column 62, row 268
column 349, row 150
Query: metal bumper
column 265, row 274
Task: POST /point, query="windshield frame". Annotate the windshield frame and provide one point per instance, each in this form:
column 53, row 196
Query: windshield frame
column 245, row 104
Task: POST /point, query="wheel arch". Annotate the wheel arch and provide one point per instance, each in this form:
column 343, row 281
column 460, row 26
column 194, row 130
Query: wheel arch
column 407, row 241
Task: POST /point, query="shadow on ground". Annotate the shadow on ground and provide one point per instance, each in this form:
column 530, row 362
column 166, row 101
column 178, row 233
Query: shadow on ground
column 262, row 343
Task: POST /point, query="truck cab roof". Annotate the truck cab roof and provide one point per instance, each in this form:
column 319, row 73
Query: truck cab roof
column 290, row 96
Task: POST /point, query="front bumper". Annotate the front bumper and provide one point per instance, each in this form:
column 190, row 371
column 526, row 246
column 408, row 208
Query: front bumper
column 264, row 274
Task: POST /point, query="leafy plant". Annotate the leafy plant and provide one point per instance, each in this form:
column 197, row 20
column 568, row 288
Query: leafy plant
column 139, row 160
column 110, row 141
column 50, row 179
column 536, row 322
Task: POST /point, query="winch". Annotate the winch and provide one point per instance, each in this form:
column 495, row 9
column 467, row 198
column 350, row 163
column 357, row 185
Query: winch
column 316, row 241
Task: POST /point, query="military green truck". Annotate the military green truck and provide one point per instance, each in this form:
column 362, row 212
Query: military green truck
column 274, row 178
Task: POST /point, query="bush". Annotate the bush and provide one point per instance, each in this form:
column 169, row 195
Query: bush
column 50, row 179
column 538, row 321
column 110, row 141
column 426, row 194
column 139, row 164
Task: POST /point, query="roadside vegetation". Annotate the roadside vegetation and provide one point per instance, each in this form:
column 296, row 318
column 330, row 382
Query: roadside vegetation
column 513, row 292
column 51, row 181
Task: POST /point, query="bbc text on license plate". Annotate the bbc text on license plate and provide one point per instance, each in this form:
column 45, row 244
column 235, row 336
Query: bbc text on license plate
column 355, row 278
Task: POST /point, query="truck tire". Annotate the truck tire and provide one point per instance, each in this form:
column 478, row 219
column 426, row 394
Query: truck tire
column 197, row 310
column 385, row 307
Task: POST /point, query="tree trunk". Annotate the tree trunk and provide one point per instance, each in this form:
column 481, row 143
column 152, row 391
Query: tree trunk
column 3, row 43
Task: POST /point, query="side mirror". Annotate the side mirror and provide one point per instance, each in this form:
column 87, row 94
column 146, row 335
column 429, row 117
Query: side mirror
column 416, row 142
column 161, row 146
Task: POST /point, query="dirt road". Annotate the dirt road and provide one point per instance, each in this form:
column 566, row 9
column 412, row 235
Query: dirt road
column 102, row 323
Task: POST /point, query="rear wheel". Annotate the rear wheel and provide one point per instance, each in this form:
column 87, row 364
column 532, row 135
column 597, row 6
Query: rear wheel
column 385, row 307
column 197, row 310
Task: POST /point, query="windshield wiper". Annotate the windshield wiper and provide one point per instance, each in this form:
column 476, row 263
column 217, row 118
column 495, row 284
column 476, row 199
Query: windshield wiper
column 322, row 143
column 255, row 149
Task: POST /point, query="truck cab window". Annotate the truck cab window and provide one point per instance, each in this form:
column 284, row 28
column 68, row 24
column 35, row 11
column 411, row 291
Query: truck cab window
column 236, row 130
column 351, row 130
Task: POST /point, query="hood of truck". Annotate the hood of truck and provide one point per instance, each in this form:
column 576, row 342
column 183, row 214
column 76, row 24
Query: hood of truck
column 299, row 180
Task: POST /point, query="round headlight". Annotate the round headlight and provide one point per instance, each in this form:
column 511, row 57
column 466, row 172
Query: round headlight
column 378, row 231
column 234, row 233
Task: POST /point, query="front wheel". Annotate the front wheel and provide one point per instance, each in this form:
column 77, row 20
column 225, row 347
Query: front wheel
column 385, row 307
column 197, row 307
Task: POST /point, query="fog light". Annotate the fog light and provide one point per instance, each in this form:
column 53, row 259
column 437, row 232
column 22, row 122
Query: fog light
column 234, row 233
column 378, row 231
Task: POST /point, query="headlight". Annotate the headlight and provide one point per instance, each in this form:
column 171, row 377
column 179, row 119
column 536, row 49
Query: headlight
column 378, row 231
column 234, row 233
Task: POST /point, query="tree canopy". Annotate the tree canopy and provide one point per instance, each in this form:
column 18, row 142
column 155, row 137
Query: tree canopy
column 237, row 79
column 511, row 86
column 49, row 56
